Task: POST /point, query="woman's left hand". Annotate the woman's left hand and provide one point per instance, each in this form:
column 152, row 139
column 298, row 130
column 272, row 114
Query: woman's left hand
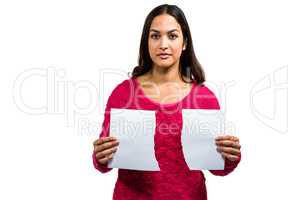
column 229, row 146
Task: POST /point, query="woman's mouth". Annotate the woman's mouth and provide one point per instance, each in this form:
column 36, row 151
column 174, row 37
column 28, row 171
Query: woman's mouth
column 164, row 55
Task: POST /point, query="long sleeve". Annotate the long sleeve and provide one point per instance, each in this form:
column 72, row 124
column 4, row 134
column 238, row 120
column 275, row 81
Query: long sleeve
column 113, row 102
column 174, row 180
column 229, row 167
column 104, row 133
column 211, row 102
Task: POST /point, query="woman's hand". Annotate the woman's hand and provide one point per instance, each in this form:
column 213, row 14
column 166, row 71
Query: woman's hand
column 229, row 146
column 105, row 148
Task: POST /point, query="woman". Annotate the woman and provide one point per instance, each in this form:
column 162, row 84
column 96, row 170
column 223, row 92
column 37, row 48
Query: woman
column 167, row 79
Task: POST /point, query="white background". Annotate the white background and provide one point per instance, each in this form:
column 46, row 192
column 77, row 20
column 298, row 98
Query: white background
column 88, row 46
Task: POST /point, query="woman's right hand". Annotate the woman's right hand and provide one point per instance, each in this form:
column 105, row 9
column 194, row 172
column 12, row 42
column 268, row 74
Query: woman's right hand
column 104, row 148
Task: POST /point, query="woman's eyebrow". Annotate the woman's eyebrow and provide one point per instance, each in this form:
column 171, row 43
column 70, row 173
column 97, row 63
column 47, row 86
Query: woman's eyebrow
column 170, row 31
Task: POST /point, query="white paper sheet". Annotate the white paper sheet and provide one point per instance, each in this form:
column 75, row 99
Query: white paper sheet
column 135, row 131
column 200, row 128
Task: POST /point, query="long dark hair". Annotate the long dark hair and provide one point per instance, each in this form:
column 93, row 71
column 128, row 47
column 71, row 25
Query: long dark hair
column 189, row 65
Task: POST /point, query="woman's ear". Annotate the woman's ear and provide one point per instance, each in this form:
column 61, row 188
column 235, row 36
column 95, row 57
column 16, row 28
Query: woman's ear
column 184, row 46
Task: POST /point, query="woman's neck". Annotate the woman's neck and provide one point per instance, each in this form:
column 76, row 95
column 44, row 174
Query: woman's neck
column 160, row 75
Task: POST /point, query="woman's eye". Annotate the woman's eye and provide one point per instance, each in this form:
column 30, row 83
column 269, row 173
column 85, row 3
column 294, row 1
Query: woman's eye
column 173, row 36
column 154, row 36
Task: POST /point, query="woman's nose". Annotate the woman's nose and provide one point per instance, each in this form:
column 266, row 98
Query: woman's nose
column 163, row 48
column 164, row 43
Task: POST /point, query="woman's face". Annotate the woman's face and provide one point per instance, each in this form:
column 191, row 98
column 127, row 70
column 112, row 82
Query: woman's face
column 165, row 41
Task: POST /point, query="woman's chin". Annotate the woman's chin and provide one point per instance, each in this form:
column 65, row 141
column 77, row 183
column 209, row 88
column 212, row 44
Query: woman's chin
column 164, row 64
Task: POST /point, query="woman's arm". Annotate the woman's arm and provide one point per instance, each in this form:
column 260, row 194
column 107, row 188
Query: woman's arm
column 229, row 167
column 114, row 101
column 103, row 168
column 227, row 145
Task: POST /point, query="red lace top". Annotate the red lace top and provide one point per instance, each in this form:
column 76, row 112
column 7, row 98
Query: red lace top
column 174, row 180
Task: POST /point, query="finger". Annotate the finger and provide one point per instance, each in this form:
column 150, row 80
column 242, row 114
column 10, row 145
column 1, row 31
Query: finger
column 105, row 159
column 227, row 137
column 229, row 150
column 104, row 139
column 223, row 137
column 229, row 156
column 106, row 145
column 106, row 152
column 228, row 143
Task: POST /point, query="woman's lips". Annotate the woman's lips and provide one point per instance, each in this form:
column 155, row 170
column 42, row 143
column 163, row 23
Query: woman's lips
column 164, row 55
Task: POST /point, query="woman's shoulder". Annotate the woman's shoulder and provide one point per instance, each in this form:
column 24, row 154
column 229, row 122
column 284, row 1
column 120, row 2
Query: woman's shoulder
column 125, row 86
column 206, row 96
column 204, row 89
column 122, row 90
